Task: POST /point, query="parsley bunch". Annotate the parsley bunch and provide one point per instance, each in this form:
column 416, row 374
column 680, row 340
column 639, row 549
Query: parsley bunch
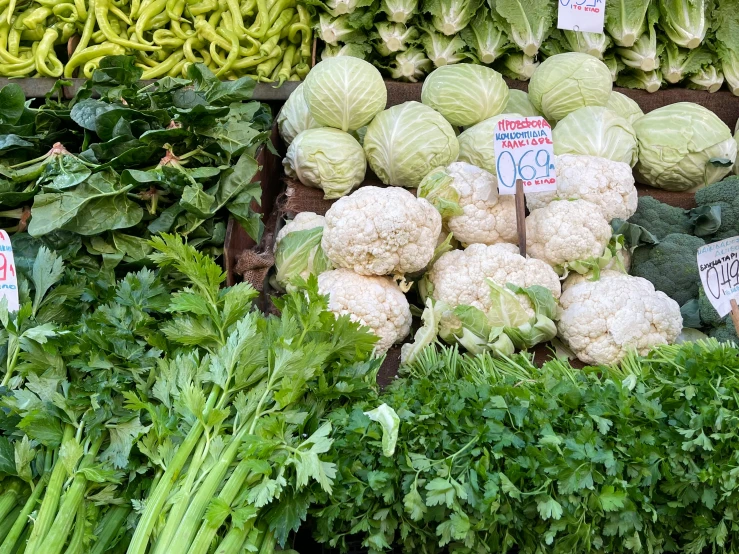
column 497, row 455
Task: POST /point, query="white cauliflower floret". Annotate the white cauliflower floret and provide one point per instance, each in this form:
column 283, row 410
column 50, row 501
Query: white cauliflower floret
column 376, row 302
column 488, row 218
column 606, row 183
column 381, row 231
column 458, row 277
column 566, row 231
column 301, row 222
column 603, row 320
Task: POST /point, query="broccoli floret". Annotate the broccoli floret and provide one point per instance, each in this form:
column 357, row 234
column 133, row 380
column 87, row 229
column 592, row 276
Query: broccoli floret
column 661, row 219
column 671, row 266
column 725, row 194
column 724, row 333
column 709, row 316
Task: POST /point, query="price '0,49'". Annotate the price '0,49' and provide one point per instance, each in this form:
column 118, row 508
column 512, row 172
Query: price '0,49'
column 533, row 164
column 721, row 277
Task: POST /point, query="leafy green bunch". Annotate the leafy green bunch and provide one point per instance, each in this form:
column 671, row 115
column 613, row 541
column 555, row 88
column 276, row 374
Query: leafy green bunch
column 171, row 417
column 497, row 455
column 124, row 161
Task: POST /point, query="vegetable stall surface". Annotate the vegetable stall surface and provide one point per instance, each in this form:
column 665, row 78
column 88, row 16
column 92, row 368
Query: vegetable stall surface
column 121, row 162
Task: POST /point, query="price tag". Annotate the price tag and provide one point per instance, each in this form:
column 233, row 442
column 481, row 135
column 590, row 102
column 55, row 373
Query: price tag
column 523, row 150
column 581, row 15
column 8, row 278
column 718, row 264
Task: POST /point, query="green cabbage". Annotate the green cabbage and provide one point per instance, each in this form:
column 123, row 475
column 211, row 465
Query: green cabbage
column 477, row 144
column 328, row 159
column 683, row 146
column 298, row 255
column 407, row 141
column 344, row 92
column 465, row 94
column 295, row 117
column 624, row 106
column 566, row 82
column 596, row 131
column 518, row 102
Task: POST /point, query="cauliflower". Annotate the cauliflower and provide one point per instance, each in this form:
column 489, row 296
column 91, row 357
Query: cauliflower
column 569, row 234
column 607, row 184
column 375, row 302
column 298, row 251
column 303, row 221
column 381, row 231
column 459, row 277
column 603, row 320
column 467, row 197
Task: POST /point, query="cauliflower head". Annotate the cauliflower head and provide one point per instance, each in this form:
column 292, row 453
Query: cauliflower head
column 486, row 218
column 459, row 277
column 566, row 231
column 601, row 321
column 606, row 183
column 381, row 231
column 303, row 221
column 375, row 302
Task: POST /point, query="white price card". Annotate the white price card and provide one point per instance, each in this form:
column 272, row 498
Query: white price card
column 524, row 150
column 581, row 15
column 718, row 264
column 8, row 278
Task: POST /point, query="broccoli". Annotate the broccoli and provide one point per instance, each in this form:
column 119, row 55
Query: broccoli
column 725, row 333
column 726, row 195
column 671, row 266
column 661, row 219
column 709, row 316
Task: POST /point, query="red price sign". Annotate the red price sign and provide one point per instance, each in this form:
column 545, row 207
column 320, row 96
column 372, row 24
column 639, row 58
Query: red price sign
column 8, row 277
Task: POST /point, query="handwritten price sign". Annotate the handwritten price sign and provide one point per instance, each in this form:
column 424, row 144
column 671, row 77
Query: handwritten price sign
column 523, row 150
column 718, row 264
column 8, row 278
column 581, row 15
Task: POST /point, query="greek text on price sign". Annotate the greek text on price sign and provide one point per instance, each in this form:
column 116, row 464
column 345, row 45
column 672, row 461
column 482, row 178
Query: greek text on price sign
column 581, row 15
column 718, row 264
column 8, row 279
column 523, row 150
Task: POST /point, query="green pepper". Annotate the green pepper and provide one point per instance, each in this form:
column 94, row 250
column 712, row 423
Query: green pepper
column 164, row 67
column 143, row 23
column 101, row 14
column 285, row 69
column 84, row 55
column 46, row 52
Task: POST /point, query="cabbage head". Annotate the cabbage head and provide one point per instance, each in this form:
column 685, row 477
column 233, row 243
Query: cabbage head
column 624, row 106
column 518, row 102
column 683, row 146
column 566, row 82
column 596, row 131
column 344, row 92
column 465, row 93
column 298, row 252
column 404, row 143
column 477, row 144
column 328, row 159
column 295, row 117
